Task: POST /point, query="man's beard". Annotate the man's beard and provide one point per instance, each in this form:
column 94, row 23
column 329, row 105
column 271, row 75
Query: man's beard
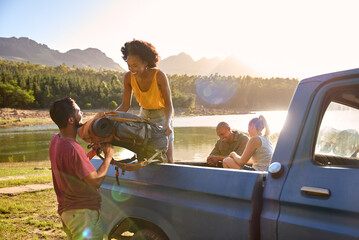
column 78, row 124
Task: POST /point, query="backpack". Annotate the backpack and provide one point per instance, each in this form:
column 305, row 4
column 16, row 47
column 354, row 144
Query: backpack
column 126, row 130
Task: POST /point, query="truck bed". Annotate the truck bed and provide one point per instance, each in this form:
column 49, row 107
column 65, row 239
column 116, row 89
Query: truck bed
column 202, row 202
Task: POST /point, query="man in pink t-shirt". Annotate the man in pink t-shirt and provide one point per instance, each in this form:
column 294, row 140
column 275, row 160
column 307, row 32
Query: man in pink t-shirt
column 76, row 181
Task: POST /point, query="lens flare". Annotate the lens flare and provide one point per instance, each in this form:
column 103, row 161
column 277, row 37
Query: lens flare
column 215, row 90
column 207, row 92
column 87, row 233
column 117, row 194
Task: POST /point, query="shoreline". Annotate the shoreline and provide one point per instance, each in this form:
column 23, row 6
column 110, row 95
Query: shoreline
column 10, row 117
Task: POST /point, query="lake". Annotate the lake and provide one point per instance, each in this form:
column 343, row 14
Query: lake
column 194, row 137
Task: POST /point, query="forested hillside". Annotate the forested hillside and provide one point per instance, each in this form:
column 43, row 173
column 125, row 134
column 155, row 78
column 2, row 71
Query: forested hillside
column 26, row 85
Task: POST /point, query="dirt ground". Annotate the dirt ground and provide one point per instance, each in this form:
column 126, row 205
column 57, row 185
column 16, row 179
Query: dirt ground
column 10, row 117
column 10, row 113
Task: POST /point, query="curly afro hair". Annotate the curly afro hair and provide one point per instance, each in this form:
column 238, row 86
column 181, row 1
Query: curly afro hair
column 146, row 51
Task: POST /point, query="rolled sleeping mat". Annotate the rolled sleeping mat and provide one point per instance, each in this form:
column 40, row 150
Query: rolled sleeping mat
column 103, row 127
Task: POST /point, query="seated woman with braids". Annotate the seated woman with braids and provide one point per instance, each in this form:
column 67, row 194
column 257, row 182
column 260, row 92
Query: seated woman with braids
column 259, row 149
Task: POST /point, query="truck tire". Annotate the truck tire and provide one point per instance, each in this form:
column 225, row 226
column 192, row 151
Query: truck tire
column 148, row 234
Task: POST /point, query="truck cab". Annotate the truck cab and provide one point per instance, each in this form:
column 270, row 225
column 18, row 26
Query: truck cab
column 316, row 196
column 309, row 192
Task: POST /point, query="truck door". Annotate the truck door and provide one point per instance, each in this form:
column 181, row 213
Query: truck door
column 320, row 196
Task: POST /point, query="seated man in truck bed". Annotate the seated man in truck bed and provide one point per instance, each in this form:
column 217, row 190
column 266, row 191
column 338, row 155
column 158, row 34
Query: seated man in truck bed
column 229, row 141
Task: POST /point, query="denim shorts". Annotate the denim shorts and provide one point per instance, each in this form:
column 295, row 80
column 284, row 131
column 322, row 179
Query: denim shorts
column 157, row 116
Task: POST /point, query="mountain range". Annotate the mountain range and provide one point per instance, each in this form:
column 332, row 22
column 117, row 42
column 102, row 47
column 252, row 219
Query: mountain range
column 184, row 64
column 24, row 49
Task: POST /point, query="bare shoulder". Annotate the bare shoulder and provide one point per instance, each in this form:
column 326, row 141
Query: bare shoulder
column 127, row 77
column 161, row 76
column 255, row 141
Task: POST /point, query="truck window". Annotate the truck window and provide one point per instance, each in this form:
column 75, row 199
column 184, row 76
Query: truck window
column 337, row 143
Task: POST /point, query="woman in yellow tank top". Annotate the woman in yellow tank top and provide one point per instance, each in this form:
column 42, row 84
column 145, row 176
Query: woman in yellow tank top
column 150, row 86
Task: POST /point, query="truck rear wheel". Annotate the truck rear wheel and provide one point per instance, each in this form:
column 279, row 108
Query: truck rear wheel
column 148, row 234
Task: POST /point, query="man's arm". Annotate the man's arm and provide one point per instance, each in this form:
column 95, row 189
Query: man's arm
column 96, row 178
column 213, row 160
column 214, row 157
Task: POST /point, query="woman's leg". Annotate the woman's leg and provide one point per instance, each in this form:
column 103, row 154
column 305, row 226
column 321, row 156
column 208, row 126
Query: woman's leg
column 169, row 152
column 229, row 162
column 158, row 116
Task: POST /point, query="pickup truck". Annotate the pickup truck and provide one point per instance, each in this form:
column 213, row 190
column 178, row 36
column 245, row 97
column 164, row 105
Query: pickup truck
column 311, row 190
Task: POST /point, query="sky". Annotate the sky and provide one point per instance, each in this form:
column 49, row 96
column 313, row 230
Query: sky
column 276, row 38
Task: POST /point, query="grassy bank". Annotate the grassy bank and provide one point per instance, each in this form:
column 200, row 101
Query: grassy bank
column 24, row 168
column 35, row 179
column 29, row 215
column 35, row 172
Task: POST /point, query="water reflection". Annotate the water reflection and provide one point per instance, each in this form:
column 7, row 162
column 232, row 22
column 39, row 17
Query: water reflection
column 195, row 137
column 240, row 122
column 194, row 143
column 27, row 145
column 191, row 144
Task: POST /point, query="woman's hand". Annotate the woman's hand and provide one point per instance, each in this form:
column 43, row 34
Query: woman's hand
column 168, row 129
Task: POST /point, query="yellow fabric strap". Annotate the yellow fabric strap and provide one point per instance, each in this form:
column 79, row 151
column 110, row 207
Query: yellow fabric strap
column 151, row 99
